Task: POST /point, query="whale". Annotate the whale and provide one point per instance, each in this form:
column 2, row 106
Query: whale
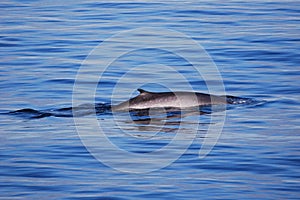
column 177, row 99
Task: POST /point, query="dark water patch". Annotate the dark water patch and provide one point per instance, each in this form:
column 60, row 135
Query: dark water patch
column 60, row 81
column 8, row 44
column 88, row 197
column 123, row 5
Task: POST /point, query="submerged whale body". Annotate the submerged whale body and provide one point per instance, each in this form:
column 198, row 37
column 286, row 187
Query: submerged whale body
column 180, row 100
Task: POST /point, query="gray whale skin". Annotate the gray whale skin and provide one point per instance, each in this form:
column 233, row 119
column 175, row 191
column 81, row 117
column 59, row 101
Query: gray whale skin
column 180, row 100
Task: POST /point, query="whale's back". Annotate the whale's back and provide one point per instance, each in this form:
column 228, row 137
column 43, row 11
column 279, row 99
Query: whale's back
column 146, row 100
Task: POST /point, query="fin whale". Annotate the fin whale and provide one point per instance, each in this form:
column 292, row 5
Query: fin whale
column 179, row 99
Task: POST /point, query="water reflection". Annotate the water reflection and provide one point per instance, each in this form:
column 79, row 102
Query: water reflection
column 162, row 120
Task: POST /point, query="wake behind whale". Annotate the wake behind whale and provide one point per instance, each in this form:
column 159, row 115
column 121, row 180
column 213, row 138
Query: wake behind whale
column 171, row 101
column 66, row 112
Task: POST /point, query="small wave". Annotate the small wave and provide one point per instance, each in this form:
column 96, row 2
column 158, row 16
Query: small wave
column 240, row 100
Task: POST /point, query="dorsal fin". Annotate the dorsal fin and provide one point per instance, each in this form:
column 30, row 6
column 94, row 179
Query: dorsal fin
column 143, row 91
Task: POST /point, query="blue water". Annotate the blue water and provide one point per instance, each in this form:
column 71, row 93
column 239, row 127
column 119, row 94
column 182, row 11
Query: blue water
column 255, row 46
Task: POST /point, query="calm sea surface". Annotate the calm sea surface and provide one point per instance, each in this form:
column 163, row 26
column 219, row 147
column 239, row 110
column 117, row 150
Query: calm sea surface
column 46, row 154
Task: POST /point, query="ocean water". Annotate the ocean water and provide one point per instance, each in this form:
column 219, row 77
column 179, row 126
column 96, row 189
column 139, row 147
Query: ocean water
column 64, row 63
